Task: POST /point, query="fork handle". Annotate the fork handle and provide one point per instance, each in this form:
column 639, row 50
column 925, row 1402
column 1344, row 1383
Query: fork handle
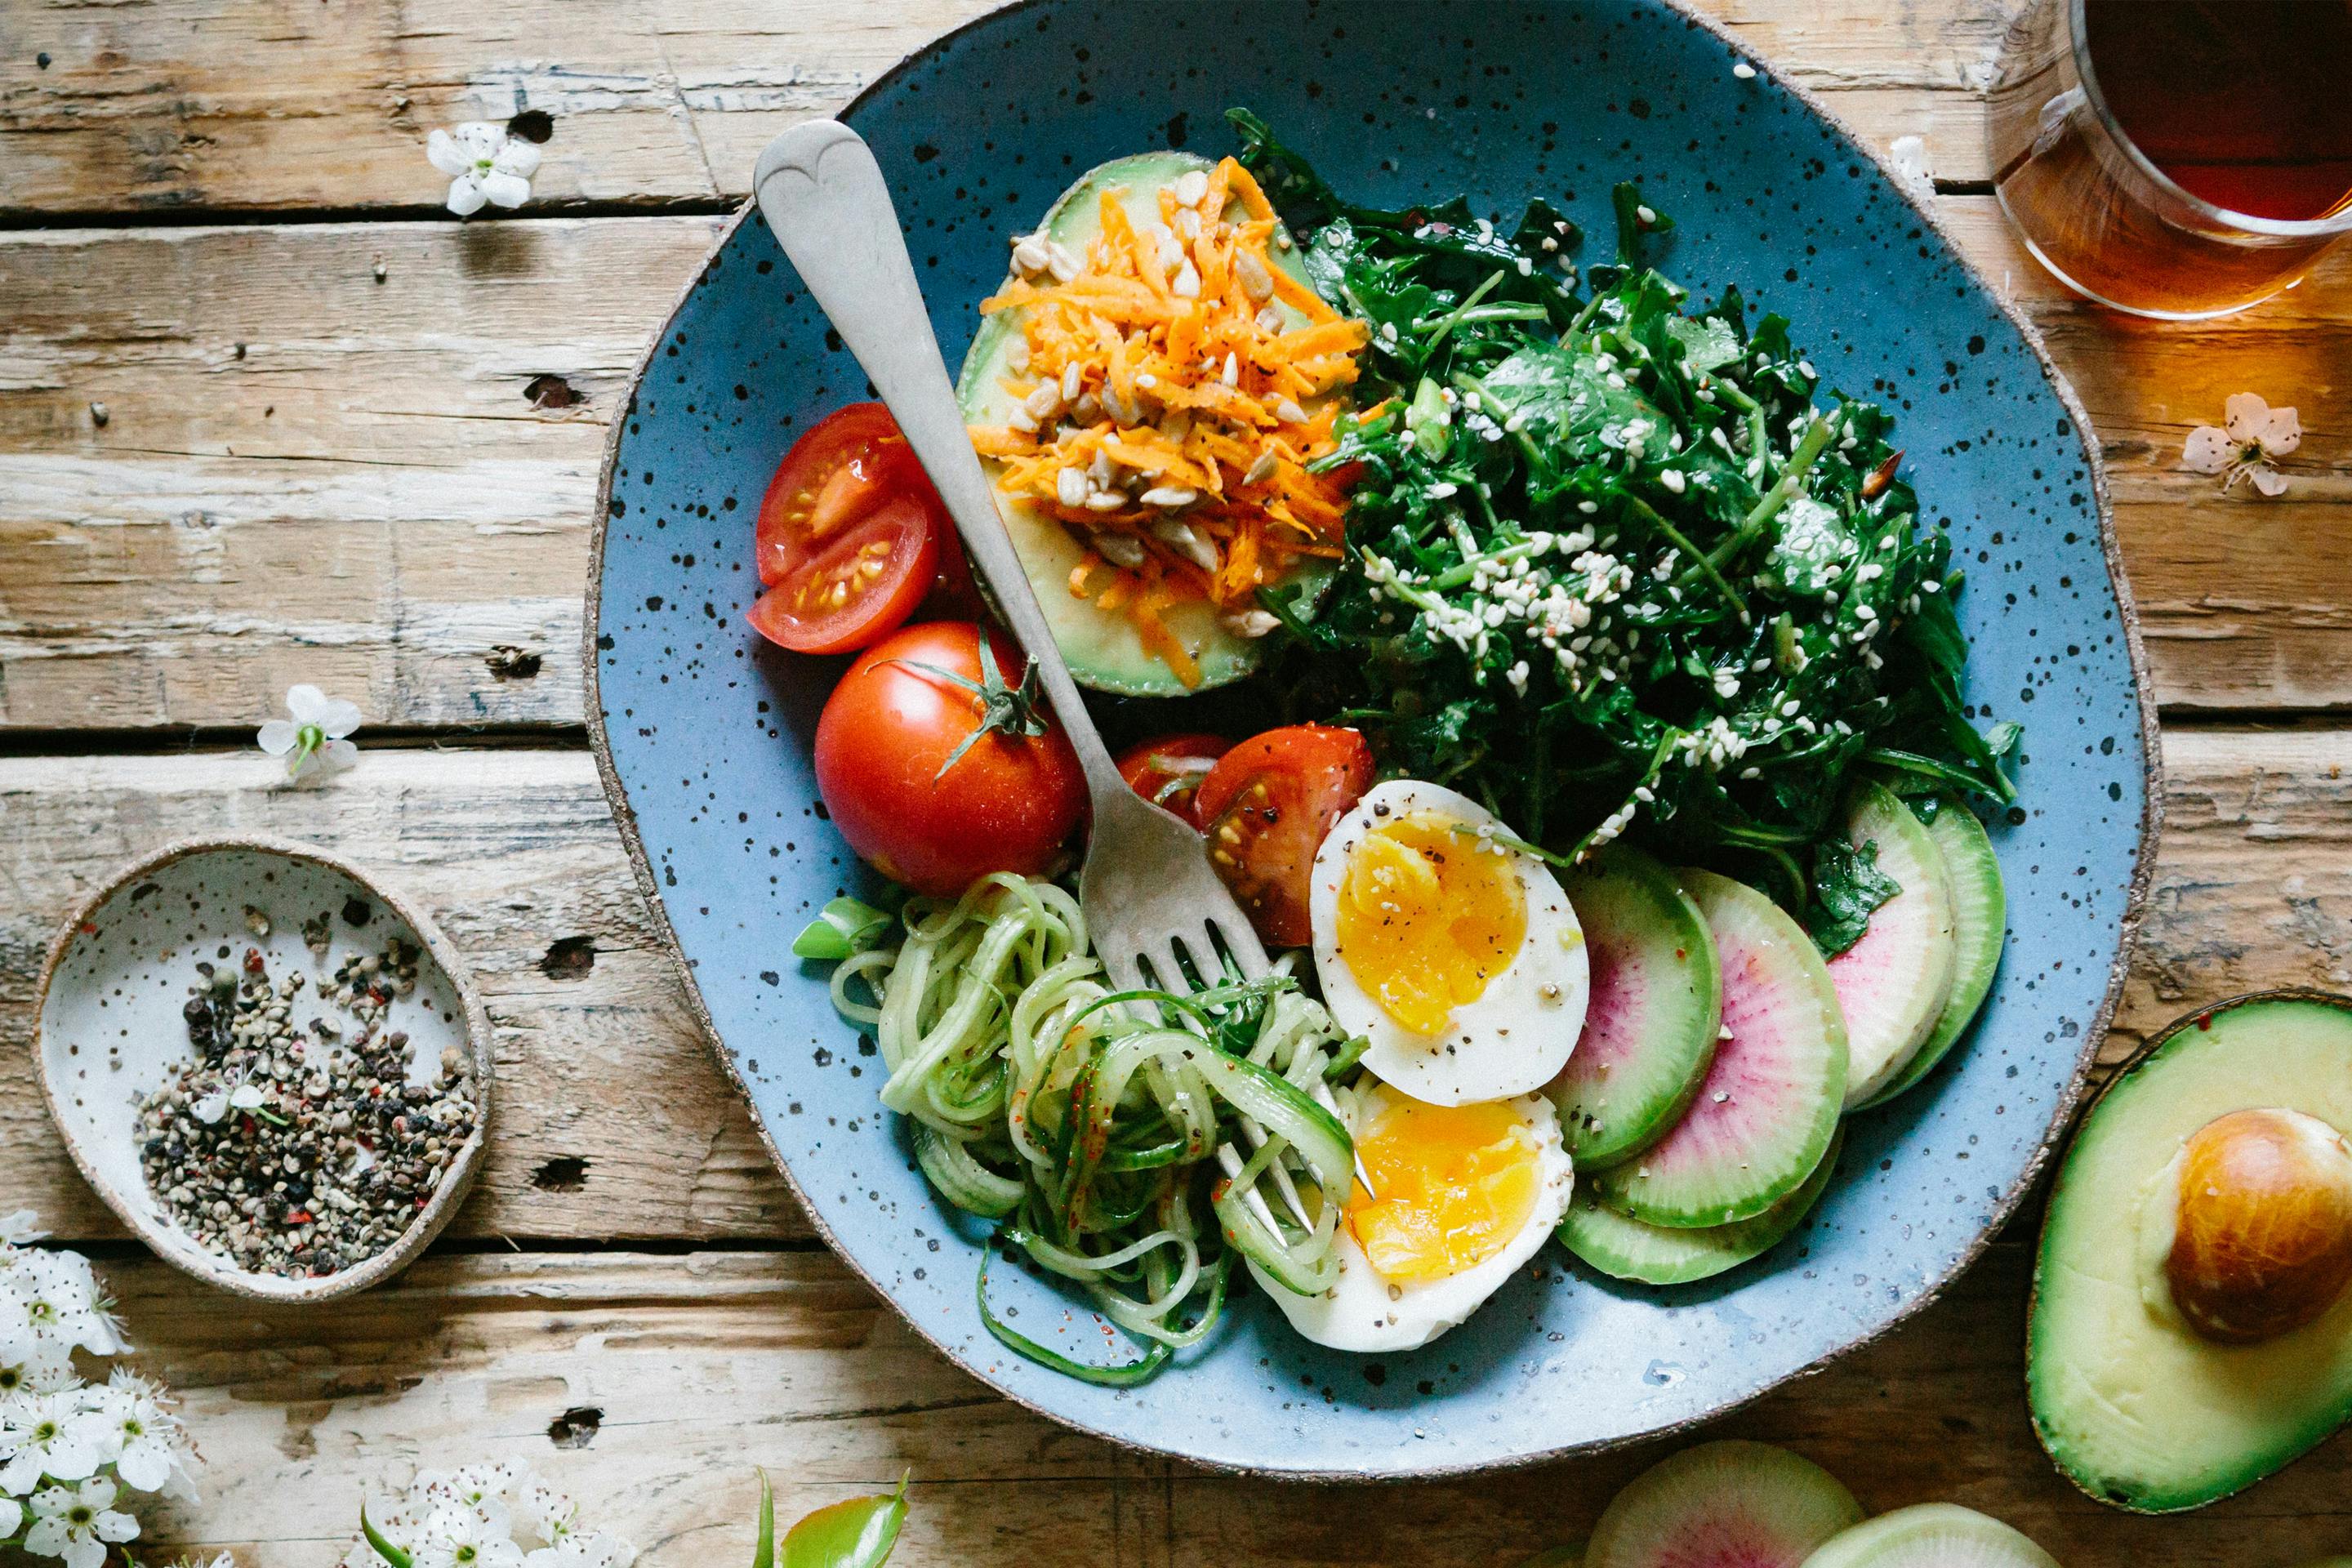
column 823, row 196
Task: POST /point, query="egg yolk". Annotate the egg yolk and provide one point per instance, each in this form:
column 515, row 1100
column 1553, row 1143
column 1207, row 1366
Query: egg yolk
column 1427, row 916
column 1455, row 1184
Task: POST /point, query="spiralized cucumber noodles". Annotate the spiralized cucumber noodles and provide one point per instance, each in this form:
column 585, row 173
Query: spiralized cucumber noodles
column 1089, row 1123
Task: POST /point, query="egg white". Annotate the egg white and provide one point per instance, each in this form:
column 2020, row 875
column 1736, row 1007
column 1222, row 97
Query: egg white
column 1514, row 1038
column 1366, row 1312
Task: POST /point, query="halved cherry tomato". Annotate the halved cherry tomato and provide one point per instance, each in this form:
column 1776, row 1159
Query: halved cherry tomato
column 846, row 465
column 850, row 536
column 1168, row 769
column 867, row 580
column 1268, row 803
column 937, row 784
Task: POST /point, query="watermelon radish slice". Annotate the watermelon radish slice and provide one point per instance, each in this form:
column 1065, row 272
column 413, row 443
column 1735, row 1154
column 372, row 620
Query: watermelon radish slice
column 1980, row 924
column 1723, row 1505
column 1932, row 1535
column 1619, row 1246
column 1764, row 1113
column 1656, row 1002
column 1892, row 984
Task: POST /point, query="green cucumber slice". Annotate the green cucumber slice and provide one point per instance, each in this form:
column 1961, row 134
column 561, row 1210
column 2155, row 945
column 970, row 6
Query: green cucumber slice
column 1103, row 647
column 1892, row 983
column 1657, row 1002
column 1932, row 1535
column 1624, row 1248
column 1769, row 1105
column 1980, row 924
column 1727, row 1504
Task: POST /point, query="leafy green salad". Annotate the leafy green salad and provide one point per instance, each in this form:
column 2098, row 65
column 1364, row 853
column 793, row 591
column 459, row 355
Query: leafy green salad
column 1609, row 569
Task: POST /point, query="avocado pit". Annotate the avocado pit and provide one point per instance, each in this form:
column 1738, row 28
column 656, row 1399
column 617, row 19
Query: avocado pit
column 2262, row 1244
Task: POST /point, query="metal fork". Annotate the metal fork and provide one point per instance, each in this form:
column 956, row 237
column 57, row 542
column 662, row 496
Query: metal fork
column 1151, row 899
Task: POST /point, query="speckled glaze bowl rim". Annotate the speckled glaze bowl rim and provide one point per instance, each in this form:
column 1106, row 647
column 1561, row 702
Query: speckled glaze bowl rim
column 454, row 1185
column 2062, row 1113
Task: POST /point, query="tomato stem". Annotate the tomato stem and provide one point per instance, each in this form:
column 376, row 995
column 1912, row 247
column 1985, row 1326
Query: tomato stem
column 1005, row 710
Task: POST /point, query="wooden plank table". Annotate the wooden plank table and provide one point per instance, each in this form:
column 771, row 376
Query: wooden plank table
column 321, row 458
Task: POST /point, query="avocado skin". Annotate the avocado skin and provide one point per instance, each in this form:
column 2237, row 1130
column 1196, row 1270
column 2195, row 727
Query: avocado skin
column 2228, row 1056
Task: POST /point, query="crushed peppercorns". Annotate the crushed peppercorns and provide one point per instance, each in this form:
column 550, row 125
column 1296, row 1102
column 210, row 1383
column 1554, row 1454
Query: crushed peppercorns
column 302, row 1148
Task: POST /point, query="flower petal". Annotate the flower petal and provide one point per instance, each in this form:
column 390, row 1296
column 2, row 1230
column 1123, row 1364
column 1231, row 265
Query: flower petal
column 2282, row 433
column 2208, row 450
column 481, row 140
column 338, row 717
column 2245, row 414
column 517, row 157
column 276, row 737
column 338, row 755
column 506, row 190
column 465, row 197
column 306, row 702
column 441, row 151
column 2267, row 480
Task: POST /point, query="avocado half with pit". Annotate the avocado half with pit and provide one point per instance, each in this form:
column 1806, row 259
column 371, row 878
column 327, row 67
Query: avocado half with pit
column 1103, row 647
column 2191, row 1326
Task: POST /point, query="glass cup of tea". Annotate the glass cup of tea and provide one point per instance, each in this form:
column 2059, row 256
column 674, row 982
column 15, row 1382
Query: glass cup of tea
column 2176, row 158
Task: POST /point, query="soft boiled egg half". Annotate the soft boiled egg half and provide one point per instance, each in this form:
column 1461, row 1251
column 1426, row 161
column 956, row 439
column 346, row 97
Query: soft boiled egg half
column 1460, row 1196
column 1458, row 957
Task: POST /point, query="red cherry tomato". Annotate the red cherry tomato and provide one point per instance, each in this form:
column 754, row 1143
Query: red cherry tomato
column 883, row 744
column 1268, row 803
column 849, row 535
column 1168, row 769
column 864, row 583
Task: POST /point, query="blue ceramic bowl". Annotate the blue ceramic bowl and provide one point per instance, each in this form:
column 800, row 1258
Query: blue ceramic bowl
column 704, row 732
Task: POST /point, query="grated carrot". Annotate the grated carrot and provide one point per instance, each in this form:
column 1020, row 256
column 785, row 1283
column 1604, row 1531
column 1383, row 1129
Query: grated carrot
column 1185, row 391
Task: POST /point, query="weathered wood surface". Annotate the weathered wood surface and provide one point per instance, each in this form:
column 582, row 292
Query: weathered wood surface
column 513, row 851
column 319, row 461
column 698, row 1367
column 309, row 472
column 158, row 108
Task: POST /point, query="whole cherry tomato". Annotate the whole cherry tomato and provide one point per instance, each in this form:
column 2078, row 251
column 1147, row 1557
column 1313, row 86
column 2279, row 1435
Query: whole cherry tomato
column 940, row 767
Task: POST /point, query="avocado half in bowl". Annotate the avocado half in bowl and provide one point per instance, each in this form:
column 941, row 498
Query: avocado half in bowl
column 1105, row 645
column 2191, row 1326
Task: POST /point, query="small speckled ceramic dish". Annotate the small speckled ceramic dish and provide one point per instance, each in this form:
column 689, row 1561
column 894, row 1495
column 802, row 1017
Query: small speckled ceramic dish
column 704, row 730
column 110, row 1027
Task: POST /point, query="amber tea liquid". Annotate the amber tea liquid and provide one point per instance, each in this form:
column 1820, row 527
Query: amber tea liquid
column 2242, row 107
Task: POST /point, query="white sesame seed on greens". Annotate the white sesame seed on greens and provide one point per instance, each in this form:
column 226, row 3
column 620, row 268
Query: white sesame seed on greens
column 1686, row 662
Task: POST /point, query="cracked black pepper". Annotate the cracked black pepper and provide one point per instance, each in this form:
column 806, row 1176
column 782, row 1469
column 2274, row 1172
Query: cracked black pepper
column 292, row 1141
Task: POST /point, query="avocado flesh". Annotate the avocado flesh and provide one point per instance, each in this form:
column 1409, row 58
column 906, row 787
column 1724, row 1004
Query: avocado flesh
column 2135, row 1406
column 1102, row 647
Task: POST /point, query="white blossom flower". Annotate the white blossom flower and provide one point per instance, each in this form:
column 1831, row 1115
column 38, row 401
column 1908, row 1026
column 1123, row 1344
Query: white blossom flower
column 315, row 734
column 12, row 1514
column 17, row 1229
column 1908, row 154
column 141, row 1439
column 47, row 1370
column 485, row 164
column 46, row 1434
column 544, row 1513
column 460, row 1537
column 2251, row 431
column 481, row 1488
column 60, row 1294
column 589, row 1551
column 78, row 1522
